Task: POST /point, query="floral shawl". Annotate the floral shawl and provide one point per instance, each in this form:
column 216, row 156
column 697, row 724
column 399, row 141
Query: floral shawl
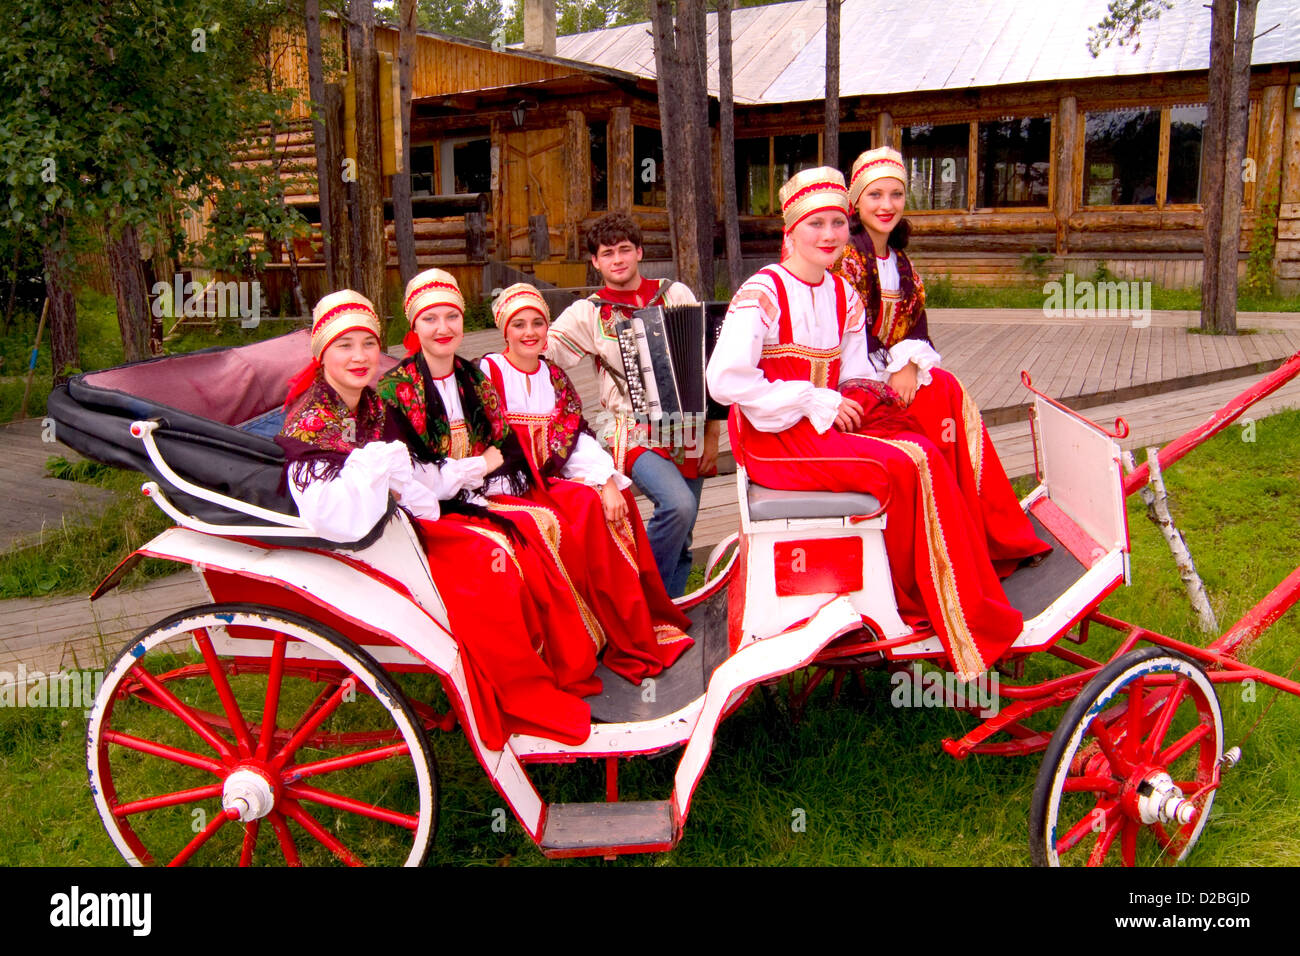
column 409, row 391
column 319, row 431
column 908, row 319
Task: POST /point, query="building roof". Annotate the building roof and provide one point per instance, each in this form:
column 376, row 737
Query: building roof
column 902, row 46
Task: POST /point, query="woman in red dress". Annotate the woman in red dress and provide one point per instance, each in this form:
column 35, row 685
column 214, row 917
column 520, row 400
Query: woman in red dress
column 792, row 357
column 452, row 417
column 575, row 475
column 344, row 460
column 903, row 356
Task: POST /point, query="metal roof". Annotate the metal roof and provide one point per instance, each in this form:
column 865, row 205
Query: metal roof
column 901, row 46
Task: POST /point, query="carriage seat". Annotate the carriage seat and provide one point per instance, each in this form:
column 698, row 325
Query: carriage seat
column 771, row 504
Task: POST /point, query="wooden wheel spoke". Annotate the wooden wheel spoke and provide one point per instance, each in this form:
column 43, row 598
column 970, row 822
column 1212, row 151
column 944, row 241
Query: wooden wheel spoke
column 287, row 845
column 1088, row 824
column 165, row 751
column 167, row 800
column 217, row 674
column 339, row 802
column 185, row 713
column 1110, row 746
column 331, row 764
column 308, row 726
column 1184, row 743
column 1165, row 718
column 298, row 814
column 1106, row 785
column 250, row 841
column 271, row 708
column 1105, row 839
column 217, row 822
column 1128, row 842
column 1136, row 713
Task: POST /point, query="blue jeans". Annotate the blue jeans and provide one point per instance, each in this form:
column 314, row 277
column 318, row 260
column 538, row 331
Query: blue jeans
column 676, row 500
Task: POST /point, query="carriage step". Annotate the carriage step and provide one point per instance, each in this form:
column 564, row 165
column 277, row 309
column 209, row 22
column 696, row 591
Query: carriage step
column 591, row 829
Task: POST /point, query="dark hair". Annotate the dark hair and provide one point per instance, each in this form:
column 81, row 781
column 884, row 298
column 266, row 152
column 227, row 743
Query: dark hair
column 898, row 236
column 612, row 229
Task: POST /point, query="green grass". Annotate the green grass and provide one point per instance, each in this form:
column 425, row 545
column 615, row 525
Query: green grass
column 76, row 555
column 869, row 782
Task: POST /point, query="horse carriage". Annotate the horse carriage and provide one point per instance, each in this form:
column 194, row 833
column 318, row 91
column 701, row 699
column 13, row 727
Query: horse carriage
column 301, row 698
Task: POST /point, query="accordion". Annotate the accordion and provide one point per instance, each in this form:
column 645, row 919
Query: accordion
column 664, row 351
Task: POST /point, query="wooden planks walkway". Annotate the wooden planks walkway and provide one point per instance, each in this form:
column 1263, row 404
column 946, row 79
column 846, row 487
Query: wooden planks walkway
column 33, row 501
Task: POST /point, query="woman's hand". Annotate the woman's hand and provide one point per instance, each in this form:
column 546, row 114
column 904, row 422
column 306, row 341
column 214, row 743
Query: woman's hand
column 904, row 382
column 849, row 416
column 493, row 459
column 612, row 500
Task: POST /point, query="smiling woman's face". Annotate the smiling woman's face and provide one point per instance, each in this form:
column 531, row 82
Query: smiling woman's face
column 440, row 331
column 351, row 361
column 526, row 334
column 881, row 206
column 818, row 239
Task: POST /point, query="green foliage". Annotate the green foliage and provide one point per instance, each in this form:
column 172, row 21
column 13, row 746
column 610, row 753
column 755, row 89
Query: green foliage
column 1035, row 263
column 110, row 112
column 1123, row 22
column 1263, row 246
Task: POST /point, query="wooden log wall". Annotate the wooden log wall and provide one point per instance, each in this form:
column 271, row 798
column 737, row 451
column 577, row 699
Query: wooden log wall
column 1287, row 255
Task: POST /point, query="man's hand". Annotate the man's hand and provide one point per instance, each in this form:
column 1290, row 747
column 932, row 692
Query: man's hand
column 904, row 382
column 849, row 416
column 612, row 500
column 709, row 450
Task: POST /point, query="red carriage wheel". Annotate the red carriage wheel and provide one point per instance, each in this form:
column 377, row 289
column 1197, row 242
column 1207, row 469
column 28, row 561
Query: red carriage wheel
column 223, row 718
column 1130, row 774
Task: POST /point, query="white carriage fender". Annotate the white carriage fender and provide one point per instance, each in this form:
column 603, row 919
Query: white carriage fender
column 754, row 662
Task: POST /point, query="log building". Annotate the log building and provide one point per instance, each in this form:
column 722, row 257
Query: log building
column 1027, row 156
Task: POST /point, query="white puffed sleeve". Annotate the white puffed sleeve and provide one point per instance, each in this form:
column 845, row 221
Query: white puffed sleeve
column 913, row 350
column 590, row 464
column 346, row 507
column 734, row 377
column 448, row 479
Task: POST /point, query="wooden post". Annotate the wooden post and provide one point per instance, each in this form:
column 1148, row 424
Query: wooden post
column 831, row 148
column 403, row 219
column 1067, row 118
column 884, row 129
column 321, row 117
column 373, row 252
column 334, row 192
column 1225, row 316
column 621, row 169
column 727, row 148
column 577, row 199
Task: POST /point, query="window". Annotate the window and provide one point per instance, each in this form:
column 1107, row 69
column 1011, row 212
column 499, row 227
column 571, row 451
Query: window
column 422, row 171
column 648, row 168
column 937, row 159
column 596, row 133
column 852, row 145
column 753, row 176
column 466, row 165
column 1186, row 126
column 1121, row 155
column 763, row 165
column 1013, row 162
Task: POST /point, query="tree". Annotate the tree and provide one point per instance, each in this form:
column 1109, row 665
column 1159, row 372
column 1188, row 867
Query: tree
column 683, row 121
column 1224, row 145
column 831, row 151
column 403, row 214
column 371, row 252
column 727, row 144
column 118, row 114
